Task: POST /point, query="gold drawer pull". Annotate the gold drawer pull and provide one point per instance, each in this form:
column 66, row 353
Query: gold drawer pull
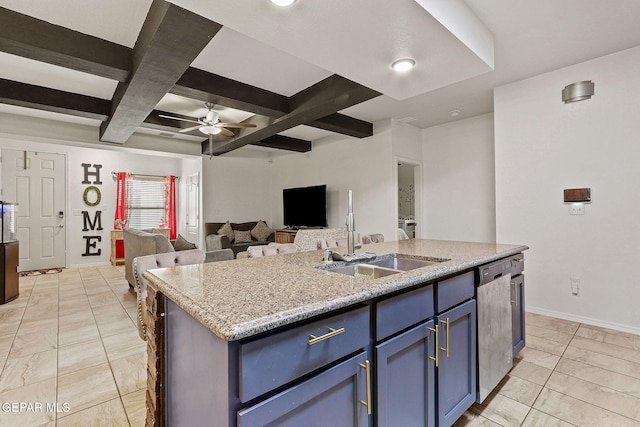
column 446, row 349
column 332, row 333
column 367, row 369
column 435, row 358
column 516, row 293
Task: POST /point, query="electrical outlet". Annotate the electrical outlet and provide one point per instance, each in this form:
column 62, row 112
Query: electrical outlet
column 575, row 285
column 576, row 209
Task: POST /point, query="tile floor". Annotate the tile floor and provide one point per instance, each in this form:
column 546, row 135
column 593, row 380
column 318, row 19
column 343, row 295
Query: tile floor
column 70, row 340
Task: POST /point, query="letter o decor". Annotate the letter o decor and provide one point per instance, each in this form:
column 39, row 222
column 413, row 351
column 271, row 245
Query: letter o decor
column 86, row 193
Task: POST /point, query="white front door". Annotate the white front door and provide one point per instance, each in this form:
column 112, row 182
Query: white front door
column 36, row 181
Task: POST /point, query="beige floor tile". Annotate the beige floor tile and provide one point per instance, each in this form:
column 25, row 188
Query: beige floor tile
column 124, row 344
column 595, row 394
column 77, row 318
column 25, row 370
column 104, row 297
column 579, row 413
column 6, row 341
column 604, row 348
column 530, row 372
column 536, row 418
column 545, row 345
column 502, row 410
column 603, row 361
column 130, row 373
column 87, row 387
column 600, row 376
column 77, row 333
column 537, row 357
column 41, row 392
column 10, row 313
column 618, row 338
column 135, row 405
column 471, row 419
column 549, row 334
column 520, row 390
column 29, row 341
column 112, row 319
column 80, row 356
column 560, row 325
column 107, row 414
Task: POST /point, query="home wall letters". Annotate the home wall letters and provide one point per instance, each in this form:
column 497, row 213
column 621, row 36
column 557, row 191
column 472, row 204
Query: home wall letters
column 92, row 197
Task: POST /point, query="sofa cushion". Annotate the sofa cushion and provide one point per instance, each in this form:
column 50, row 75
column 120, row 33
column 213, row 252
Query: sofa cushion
column 182, row 244
column 242, row 236
column 261, row 231
column 226, row 230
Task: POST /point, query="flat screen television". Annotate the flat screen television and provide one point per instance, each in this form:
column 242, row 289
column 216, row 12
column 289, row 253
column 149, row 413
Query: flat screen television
column 305, row 206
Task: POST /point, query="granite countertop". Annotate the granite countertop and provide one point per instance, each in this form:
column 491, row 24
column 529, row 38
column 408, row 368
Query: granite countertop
column 240, row 298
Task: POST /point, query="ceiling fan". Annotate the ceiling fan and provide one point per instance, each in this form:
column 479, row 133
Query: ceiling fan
column 210, row 124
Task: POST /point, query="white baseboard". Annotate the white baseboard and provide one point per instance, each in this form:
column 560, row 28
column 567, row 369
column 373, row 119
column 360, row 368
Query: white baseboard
column 586, row 320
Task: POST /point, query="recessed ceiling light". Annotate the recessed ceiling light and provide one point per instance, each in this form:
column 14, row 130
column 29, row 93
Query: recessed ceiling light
column 404, row 64
column 283, row 2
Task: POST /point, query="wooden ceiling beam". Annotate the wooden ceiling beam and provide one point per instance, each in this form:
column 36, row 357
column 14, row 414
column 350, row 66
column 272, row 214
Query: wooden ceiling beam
column 57, row 101
column 319, row 100
column 345, row 125
column 279, row 142
column 169, row 41
column 39, row 40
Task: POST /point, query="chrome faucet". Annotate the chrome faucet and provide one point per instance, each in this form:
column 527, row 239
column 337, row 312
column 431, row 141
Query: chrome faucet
column 351, row 226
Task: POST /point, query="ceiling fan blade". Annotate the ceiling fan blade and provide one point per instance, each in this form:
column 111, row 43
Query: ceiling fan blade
column 237, row 125
column 185, row 130
column 226, row 132
column 177, row 118
column 210, row 146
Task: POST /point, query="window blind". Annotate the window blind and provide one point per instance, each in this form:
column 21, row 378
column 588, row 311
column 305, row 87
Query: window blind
column 145, row 203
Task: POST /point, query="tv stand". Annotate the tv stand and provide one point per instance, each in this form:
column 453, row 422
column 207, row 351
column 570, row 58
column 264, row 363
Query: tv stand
column 286, row 235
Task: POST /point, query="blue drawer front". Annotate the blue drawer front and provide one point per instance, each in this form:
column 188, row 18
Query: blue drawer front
column 453, row 291
column 400, row 312
column 272, row 361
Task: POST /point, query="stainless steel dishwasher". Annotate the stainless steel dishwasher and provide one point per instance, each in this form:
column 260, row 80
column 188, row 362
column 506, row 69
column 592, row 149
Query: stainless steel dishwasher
column 495, row 348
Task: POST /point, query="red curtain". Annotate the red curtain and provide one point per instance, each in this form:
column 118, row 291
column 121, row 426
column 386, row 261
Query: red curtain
column 120, row 219
column 170, row 205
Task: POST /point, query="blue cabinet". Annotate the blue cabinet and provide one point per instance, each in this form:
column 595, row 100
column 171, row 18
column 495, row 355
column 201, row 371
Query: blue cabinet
column 456, row 372
column 406, row 379
column 517, row 313
column 337, row 397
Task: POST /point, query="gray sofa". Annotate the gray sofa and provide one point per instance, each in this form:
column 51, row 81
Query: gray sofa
column 139, row 243
column 214, row 240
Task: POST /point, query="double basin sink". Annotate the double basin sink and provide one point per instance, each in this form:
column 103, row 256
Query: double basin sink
column 381, row 265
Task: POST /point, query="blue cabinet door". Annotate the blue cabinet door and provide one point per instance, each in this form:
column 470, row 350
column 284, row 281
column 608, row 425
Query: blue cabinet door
column 406, row 379
column 456, row 373
column 517, row 313
column 337, row 397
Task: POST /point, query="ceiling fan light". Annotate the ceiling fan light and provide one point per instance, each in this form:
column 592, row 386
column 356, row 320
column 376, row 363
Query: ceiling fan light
column 283, row 2
column 209, row 130
column 402, row 65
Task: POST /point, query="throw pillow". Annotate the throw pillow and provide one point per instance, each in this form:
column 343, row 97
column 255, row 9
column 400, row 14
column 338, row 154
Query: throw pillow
column 182, row 244
column 242, row 236
column 226, row 230
column 261, row 231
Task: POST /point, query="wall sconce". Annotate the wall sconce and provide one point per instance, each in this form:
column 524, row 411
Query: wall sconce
column 578, row 91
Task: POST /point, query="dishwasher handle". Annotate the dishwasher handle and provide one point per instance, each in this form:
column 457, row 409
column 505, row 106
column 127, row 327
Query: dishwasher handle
column 490, row 272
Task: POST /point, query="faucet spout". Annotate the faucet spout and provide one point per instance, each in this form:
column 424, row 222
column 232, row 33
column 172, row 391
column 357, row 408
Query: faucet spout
column 351, row 227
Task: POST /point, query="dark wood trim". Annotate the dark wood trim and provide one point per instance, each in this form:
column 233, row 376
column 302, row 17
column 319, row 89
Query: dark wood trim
column 43, row 98
column 320, row 100
column 339, row 123
column 32, row 38
column 170, row 39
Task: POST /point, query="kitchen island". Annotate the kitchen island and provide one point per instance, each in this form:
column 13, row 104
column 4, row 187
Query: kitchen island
column 275, row 340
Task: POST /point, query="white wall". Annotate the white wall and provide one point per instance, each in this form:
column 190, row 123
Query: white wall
column 459, row 181
column 236, row 189
column 365, row 166
column 544, row 146
column 111, row 161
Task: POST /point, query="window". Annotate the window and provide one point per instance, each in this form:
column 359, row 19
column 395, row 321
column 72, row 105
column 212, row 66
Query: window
column 146, row 203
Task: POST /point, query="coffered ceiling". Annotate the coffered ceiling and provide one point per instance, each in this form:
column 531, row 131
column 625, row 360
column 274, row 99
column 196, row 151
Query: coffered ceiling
column 300, row 74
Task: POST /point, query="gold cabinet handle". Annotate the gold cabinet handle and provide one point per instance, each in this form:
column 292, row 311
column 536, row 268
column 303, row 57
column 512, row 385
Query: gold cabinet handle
column 517, row 260
column 436, row 358
column 446, row 337
column 367, row 370
column 332, row 333
column 515, row 293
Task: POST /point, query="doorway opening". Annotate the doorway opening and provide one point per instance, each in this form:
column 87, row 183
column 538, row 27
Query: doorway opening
column 408, row 203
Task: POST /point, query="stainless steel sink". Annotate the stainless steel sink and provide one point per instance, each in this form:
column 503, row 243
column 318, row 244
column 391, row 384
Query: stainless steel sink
column 404, row 262
column 382, row 265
